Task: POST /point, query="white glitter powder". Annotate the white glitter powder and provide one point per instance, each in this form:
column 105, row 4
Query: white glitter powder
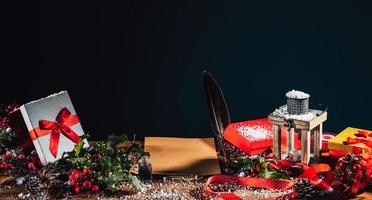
column 171, row 189
column 294, row 94
column 283, row 112
column 254, row 132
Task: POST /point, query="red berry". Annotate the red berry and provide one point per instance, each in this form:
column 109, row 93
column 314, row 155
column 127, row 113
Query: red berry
column 87, row 184
column 74, row 182
column 8, row 155
column 21, row 156
column 71, row 177
column 2, row 166
column 77, row 175
column 31, row 166
column 77, row 190
column 9, row 166
column 87, row 171
column 73, row 172
column 95, row 188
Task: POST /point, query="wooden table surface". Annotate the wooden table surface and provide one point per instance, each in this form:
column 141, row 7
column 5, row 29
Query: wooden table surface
column 175, row 187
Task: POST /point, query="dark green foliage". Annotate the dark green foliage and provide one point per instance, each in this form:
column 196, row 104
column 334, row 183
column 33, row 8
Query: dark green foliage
column 258, row 166
column 110, row 165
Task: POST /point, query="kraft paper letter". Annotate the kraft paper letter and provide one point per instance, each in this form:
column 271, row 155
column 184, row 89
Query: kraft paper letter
column 182, row 156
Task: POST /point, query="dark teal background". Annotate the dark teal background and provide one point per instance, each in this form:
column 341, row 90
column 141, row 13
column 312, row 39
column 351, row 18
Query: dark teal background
column 135, row 66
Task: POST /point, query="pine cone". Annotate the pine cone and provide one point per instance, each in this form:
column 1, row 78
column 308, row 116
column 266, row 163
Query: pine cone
column 346, row 168
column 35, row 188
column 33, row 185
column 305, row 190
column 58, row 189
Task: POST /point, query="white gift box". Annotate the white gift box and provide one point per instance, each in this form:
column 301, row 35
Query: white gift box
column 53, row 126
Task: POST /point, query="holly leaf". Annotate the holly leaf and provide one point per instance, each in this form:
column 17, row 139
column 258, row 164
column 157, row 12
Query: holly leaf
column 110, row 163
column 273, row 174
column 112, row 180
column 78, row 147
column 135, row 182
column 105, row 149
column 81, row 162
column 264, row 165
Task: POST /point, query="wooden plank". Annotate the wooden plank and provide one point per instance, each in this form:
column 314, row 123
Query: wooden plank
column 276, row 120
column 277, row 141
column 301, row 127
column 278, row 123
column 305, row 146
column 290, row 140
column 298, row 124
column 320, row 119
column 317, row 140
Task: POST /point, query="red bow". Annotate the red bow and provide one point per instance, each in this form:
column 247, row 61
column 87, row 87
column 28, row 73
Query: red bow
column 61, row 125
column 362, row 137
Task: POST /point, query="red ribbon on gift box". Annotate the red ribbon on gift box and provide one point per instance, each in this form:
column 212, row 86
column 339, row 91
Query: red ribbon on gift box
column 362, row 137
column 64, row 121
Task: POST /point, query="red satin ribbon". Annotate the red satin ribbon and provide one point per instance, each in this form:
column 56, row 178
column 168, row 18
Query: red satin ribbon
column 55, row 128
column 362, row 137
column 263, row 183
column 310, row 173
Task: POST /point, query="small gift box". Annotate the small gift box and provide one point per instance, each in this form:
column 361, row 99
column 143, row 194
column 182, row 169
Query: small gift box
column 254, row 136
column 352, row 140
column 52, row 125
